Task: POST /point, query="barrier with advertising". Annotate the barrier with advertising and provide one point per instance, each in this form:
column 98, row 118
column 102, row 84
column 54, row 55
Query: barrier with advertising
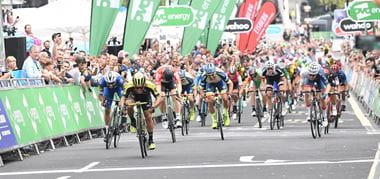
column 366, row 89
column 32, row 115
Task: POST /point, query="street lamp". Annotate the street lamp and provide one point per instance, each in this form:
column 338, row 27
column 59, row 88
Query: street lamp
column 307, row 20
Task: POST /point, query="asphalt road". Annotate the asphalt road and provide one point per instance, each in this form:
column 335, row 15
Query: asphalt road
column 247, row 152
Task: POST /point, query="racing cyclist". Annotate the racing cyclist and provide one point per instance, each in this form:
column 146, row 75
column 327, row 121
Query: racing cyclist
column 212, row 80
column 110, row 84
column 315, row 77
column 187, row 82
column 141, row 90
column 237, row 83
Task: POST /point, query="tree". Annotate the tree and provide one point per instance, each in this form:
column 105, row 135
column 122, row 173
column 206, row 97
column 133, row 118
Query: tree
column 338, row 4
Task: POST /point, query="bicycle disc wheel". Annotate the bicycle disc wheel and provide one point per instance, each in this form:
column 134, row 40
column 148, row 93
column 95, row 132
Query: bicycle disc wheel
column 258, row 113
column 109, row 138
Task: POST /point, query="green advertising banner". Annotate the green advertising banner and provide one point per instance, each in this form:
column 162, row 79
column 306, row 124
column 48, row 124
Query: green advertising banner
column 139, row 18
column 42, row 113
column 176, row 16
column 363, row 11
column 103, row 15
column 218, row 23
column 203, row 10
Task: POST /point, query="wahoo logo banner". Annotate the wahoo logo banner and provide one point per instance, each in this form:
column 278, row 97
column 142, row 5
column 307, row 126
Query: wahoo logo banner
column 249, row 11
column 265, row 16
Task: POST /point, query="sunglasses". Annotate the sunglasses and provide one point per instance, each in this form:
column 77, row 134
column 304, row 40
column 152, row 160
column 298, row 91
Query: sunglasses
column 312, row 76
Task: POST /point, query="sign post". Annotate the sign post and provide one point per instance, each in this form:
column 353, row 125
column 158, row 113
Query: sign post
column 363, row 11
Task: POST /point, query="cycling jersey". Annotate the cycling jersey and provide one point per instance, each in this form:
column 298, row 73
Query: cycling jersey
column 219, row 81
column 274, row 77
column 336, row 79
column 236, row 80
column 320, row 81
column 187, row 84
column 108, row 90
column 144, row 95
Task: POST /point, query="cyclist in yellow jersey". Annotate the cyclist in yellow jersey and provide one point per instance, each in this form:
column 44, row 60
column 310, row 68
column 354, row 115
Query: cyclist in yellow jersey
column 141, row 90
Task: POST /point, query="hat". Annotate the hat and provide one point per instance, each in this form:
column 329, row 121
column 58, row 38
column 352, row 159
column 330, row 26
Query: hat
column 55, row 35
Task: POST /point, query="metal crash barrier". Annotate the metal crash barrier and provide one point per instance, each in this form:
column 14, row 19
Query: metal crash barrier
column 366, row 91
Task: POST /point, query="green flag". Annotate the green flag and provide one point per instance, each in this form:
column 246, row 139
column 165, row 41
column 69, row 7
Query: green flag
column 203, row 10
column 139, row 18
column 218, row 23
column 103, row 15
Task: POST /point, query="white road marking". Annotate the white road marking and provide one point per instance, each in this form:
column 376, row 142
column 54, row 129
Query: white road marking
column 87, row 167
column 247, row 159
column 64, row 177
column 275, row 161
column 176, row 167
column 363, row 120
column 375, row 169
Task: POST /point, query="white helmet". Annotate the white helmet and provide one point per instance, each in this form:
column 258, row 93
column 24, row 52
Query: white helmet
column 111, row 76
column 269, row 64
column 281, row 65
column 313, row 68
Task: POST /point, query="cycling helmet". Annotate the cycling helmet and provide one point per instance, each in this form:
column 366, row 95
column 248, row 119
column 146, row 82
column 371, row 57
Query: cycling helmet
column 269, row 64
column 139, row 79
column 110, row 77
column 335, row 68
column 252, row 71
column 168, row 75
column 210, row 68
column 232, row 69
column 313, row 68
column 182, row 74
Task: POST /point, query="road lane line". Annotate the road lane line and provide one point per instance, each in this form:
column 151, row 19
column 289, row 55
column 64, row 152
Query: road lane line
column 175, row 167
column 89, row 166
column 375, row 170
column 359, row 114
column 64, row 177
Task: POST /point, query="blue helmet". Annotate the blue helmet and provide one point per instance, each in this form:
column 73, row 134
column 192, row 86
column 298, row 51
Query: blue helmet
column 210, row 68
column 182, row 74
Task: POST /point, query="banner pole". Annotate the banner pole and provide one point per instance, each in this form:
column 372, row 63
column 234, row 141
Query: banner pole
column 125, row 25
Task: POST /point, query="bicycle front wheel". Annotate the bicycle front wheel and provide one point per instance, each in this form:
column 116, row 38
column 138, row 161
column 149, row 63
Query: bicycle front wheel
column 272, row 119
column 171, row 124
column 220, row 123
column 239, row 110
column 259, row 112
column 313, row 122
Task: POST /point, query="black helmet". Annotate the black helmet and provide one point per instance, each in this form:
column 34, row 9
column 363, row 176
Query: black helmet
column 168, row 76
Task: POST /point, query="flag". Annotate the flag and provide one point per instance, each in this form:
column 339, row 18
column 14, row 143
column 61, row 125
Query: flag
column 203, row 11
column 218, row 23
column 103, row 15
column 265, row 16
column 249, row 11
column 140, row 16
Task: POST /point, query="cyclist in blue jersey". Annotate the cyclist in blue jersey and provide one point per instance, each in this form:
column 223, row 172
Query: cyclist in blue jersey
column 315, row 77
column 212, row 80
column 110, row 84
column 187, row 82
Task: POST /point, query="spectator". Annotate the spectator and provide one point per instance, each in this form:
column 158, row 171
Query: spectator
column 48, row 73
column 31, row 65
column 64, row 75
column 11, row 66
column 47, row 48
column 30, row 38
column 57, row 40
